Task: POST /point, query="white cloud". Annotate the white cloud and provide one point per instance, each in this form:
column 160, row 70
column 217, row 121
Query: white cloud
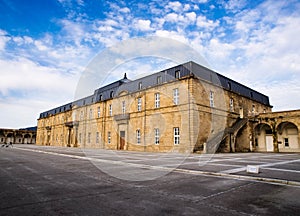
column 143, row 25
column 191, row 16
column 3, row 39
column 203, row 22
column 175, row 6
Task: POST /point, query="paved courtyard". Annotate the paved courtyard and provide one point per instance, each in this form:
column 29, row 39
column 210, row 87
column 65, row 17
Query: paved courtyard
column 36, row 180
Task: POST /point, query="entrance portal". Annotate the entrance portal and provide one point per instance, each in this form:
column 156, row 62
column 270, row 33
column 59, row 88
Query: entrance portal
column 122, row 140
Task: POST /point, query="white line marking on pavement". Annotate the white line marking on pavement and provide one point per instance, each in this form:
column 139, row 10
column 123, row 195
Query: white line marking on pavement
column 261, row 166
column 282, row 170
column 193, row 172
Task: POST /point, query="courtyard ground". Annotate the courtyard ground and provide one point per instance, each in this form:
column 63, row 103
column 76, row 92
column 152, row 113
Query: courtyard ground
column 39, row 180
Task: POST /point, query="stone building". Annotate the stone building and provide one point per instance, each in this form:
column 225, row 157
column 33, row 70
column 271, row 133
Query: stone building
column 186, row 108
column 18, row 136
column 277, row 131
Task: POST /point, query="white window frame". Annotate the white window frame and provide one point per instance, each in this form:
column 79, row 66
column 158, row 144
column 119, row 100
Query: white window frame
column 110, row 109
column 89, row 137
column 211, row 99
column 176, row 96
column 123, row 107
column 231, row 104
column 97, row 137
column 98, row 112
column 156, row 136
column 157, row 100
column 109, row 137
column 138, row 136
column 91, row 113
column 159, row 80
column 176, row 135
column 177, row 74
column 139, row 105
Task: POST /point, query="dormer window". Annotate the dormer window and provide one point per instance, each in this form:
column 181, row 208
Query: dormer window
column 111, row 94
column 158, row 80
column 140, row 85
column 229, row 85
column 177, row 74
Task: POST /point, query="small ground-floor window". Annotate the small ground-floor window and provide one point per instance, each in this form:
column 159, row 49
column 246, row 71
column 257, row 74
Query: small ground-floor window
column 176, row 135
column 286, row 142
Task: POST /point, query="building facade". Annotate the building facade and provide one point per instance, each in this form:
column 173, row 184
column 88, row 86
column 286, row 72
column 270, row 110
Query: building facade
column 18, row 136
column 186, row 108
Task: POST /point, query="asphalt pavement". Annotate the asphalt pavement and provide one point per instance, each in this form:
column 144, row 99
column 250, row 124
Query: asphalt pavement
column 39, row 180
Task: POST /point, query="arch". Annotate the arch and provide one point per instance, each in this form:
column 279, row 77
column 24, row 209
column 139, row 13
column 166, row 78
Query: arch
column 27, row 138
column 288, row 136
column 263, row 138
column 10, row 138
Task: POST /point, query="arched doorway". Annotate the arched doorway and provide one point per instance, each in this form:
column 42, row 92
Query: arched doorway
column 27, row 139
column 10, row 138
column 287, row 134
column 263, row 138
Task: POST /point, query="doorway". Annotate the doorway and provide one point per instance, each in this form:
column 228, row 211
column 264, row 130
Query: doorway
column 122, row 140
column 269, row 143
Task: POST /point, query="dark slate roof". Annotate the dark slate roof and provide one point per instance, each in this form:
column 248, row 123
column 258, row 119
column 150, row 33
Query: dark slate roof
column 189, row 68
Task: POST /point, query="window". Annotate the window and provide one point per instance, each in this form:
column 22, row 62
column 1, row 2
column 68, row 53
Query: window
column 111, row 94
column 81, row 115
column 110, row 109
column 91, row 113
column 158, row 80
column 176, row 136
column 253, row 108
column 139, row 105
column 156, row 136
column 231, row 105
column 286, row 142
column 100, row 97
column 229, row 85
column 177, row 74
column 140, row 85
column 251, row 94
column 108, row 137
column 123, row 107
column 138, row 136
column 157, row 100
column 211, row 98
column 256, row 142
column 176, row 96
column 98, row 112
column 89, row 137
column 97, row 137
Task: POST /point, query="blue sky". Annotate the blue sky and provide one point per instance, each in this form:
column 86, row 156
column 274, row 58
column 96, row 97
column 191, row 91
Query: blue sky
column 45, row 46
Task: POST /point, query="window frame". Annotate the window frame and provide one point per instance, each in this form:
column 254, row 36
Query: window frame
column 108, row 137
column 139, row 104
column 123, row 107
column 176, row 135
column 157, row 100
column 156, row 136
column 176, row 96
column 211, row 99
column 138, row 136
